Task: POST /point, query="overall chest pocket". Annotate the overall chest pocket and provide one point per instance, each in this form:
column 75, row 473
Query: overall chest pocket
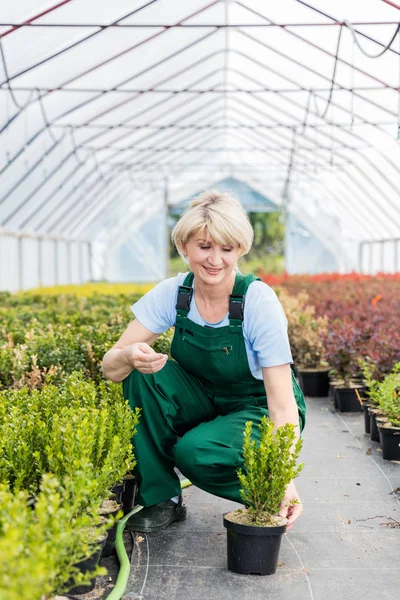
column 211, row 361
column 217, row 347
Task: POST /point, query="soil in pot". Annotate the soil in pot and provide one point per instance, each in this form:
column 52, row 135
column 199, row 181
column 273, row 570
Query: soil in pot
column 253, row 550
column 347, row 400
column 390, row 440
column 314, row 382
column 89, row 564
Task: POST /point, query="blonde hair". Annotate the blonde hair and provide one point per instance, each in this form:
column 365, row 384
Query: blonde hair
column 222, row 215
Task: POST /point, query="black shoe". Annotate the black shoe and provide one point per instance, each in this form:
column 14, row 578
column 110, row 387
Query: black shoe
column 158, row 516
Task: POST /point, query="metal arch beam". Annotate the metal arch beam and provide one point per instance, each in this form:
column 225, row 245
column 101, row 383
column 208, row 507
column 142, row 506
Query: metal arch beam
column 63, row 161
column 32, row 19
column 21, row 205
column 352, row 133
column 382, row 211
column 302, row 106
column 31, row 195
column 166, row 112
column 67, row 210
column 36, row 164
column 93, row 210
column 118, row 25
column 90, row 100
column 296, row 35
column 340, row 23
column 339, row 154
column 100, row 209
column 313, row 71
column 177, row 136
column 296, row 124
column 353, row 184
column 54, row 192
column 97, row 32
column 355, row 195
column 52, row 123
column 140, row 91
column 88, row 203
column 348, row 208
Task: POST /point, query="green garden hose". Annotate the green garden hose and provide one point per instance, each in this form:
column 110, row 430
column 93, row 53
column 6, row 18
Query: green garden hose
column 125, row 565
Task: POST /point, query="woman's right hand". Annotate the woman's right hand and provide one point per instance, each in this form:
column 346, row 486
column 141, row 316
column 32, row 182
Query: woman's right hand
column 141, row 357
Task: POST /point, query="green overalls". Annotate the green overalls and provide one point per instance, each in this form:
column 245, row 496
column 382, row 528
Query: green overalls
column 205, row 396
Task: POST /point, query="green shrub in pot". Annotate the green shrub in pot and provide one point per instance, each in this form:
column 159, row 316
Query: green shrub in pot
column 269, row 465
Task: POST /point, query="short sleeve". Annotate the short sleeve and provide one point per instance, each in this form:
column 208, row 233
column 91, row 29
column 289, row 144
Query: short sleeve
column 265, row 326
column 156, row 310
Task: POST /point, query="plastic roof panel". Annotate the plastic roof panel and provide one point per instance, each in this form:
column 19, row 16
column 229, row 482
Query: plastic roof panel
column 101, row 101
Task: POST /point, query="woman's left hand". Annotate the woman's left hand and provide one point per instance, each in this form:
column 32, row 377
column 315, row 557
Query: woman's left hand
column 291, row 511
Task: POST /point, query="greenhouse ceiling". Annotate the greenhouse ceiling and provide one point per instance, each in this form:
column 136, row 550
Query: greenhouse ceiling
column 108, row 106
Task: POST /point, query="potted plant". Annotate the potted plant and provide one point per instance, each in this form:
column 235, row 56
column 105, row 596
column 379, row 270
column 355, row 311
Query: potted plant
column 306, row 334
column 389, row 425
column 343, row 345
column 269, row 465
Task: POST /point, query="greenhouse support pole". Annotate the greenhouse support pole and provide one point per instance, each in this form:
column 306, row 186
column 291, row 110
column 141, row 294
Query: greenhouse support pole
column 80, row 262
column 69, row 261
column 55, row 262
column 360, row 256
column 20, row 266
column 90, row 261
column 40, row 266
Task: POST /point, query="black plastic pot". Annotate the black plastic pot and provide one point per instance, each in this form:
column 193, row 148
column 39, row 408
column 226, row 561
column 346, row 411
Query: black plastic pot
column 89, row 564
column 128, row 495
column 347, row 400
column 118, row 490
column 374, row 432
column 367, row 419
column 314, row 384
column 390, row 442
column 109, row 547
column 253, row 550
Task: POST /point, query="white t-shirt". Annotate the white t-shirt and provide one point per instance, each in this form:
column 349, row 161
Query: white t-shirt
column 264, row 322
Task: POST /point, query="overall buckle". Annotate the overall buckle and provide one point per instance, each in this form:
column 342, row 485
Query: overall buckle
column 236, row 307
column 185, row 294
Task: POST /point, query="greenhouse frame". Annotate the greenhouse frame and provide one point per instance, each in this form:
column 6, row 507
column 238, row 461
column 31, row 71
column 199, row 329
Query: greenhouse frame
column 113, row 113
column 207, row 406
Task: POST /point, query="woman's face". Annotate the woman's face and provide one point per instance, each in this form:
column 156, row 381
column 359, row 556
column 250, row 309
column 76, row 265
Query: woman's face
column 209, row 261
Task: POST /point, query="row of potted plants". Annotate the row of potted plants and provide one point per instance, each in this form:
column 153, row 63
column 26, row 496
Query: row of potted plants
column 62, row 450
column 381, row 407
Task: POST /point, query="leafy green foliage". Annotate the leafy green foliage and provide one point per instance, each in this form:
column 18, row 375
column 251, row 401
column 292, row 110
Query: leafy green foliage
column 40, row 545
column 269, row 465
column 384, row 394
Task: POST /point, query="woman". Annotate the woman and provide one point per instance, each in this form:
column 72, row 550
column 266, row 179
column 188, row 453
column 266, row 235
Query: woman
column 231, row 352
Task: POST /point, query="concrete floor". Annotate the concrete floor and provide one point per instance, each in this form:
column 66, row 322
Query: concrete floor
column 346, row 545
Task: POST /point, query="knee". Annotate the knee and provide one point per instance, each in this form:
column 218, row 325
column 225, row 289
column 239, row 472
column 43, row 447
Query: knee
column 187, row 455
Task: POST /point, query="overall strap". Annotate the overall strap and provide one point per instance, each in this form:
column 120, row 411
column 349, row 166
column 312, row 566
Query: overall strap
column 236, row 301
column 185, row 293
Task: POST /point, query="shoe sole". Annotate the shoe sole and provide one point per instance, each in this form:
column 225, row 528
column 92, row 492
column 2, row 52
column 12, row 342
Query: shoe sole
column 180, row 516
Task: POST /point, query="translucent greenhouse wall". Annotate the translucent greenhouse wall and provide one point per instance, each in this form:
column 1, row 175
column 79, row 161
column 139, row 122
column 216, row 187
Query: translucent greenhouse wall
column 30, row 262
